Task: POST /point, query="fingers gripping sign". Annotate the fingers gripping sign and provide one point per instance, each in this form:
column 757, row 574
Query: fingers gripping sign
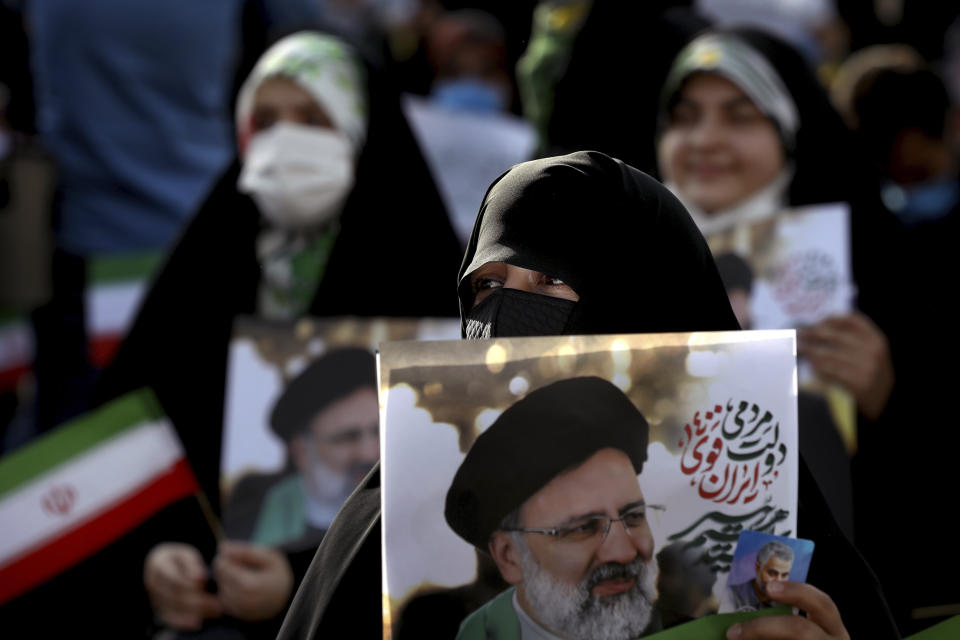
column 822, row 621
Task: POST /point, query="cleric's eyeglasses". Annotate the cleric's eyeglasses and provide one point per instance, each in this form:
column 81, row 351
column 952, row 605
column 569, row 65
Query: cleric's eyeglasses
column 353, row 435
column 594, row 526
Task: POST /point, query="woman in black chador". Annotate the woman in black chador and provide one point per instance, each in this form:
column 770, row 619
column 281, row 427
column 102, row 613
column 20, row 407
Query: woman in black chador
column 573, row 245
column 329, row 210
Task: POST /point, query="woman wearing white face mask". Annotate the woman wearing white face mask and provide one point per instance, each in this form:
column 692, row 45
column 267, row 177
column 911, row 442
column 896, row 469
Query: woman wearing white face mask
column 329, row 196
column 301, row 124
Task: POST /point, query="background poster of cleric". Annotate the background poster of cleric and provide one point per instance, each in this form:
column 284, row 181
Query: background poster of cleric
column 713, row 414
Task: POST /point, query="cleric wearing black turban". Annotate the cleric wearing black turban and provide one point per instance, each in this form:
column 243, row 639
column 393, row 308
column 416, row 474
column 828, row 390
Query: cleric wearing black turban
column 542, row 491
column 328, row 420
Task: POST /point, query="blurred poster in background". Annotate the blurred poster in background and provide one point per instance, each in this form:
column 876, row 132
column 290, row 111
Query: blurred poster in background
column 301, row 424
column 793, row 268
column 787, row 270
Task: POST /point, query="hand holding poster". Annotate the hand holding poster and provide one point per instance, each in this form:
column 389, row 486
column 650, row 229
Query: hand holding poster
column 579, row 484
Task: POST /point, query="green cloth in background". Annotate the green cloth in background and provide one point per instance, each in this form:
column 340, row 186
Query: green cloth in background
column 946, row 630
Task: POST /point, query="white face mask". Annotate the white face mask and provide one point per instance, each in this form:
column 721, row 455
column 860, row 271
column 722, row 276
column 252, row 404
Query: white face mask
column 298, row 175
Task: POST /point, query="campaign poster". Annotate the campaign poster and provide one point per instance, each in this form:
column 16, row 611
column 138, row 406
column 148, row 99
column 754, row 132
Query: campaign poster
column 301, row 421
column 570, row 480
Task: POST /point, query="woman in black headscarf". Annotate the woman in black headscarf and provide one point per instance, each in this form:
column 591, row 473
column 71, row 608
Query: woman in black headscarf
column 569, row 245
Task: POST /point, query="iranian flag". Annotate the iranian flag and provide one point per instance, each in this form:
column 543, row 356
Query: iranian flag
column 16, row 349
column 116, row 285
column 83, row 485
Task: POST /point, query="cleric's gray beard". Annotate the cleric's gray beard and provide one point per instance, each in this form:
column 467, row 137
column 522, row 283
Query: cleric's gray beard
column 574, row 612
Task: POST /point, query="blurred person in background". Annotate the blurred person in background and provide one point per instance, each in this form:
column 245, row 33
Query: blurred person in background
column 133, row 103
column 465, row 127
column 911, row 141
column 735, row 147
column 731, row 150
column 920, row 25
column 25, row 178
column 329, row 187
column 909, row 123
column 467, row 49
column 592, row 73
column 864, row 63
column 732, row 147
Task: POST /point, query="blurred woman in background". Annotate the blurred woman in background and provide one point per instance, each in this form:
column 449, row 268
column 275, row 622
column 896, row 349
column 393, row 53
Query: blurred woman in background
column 328, row 202
column 747, row 131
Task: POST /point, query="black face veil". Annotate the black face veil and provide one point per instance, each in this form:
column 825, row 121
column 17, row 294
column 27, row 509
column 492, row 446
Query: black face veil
column 618, row 237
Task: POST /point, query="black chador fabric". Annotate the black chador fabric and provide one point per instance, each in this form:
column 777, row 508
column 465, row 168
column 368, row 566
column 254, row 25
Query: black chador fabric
column 393, row 227
column 613, row 300
column 394, row 256
column 618, row 237
column 607, row 98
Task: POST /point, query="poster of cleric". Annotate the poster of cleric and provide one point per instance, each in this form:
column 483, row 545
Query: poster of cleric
column 301, row 421
column 579, row 486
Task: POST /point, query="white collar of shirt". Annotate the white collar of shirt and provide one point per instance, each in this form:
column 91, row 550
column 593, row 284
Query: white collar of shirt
column 764, row 204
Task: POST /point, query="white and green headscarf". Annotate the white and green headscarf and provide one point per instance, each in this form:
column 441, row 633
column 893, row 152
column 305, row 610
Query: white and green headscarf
column 323, row 66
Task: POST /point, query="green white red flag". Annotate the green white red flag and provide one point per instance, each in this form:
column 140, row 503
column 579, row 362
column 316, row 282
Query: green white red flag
column 87, row 483
column 116, row 285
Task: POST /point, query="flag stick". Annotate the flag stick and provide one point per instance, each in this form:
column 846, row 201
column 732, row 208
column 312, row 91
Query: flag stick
column 210, row 516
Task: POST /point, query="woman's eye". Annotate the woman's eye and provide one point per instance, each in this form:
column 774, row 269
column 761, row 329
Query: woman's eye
column 263, row 120
column 683, row 115
column 745, row 116
column 481, row 284
column 552, row 281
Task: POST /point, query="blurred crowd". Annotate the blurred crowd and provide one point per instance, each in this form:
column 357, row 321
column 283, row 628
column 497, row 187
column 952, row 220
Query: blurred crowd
column 168, row 167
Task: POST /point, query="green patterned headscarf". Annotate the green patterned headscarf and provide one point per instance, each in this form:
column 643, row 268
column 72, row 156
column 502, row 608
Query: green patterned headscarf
column 323, row 66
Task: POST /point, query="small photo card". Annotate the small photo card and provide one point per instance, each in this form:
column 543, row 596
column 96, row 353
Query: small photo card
column 760, row 559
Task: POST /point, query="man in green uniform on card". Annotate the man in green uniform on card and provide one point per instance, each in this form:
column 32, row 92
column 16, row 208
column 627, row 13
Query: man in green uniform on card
column 550, row 491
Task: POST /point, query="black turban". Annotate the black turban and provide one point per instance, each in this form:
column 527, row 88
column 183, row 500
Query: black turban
column 553, row 429
column 332, row 376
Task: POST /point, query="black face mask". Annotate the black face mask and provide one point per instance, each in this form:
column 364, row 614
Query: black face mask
column 510, row 313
